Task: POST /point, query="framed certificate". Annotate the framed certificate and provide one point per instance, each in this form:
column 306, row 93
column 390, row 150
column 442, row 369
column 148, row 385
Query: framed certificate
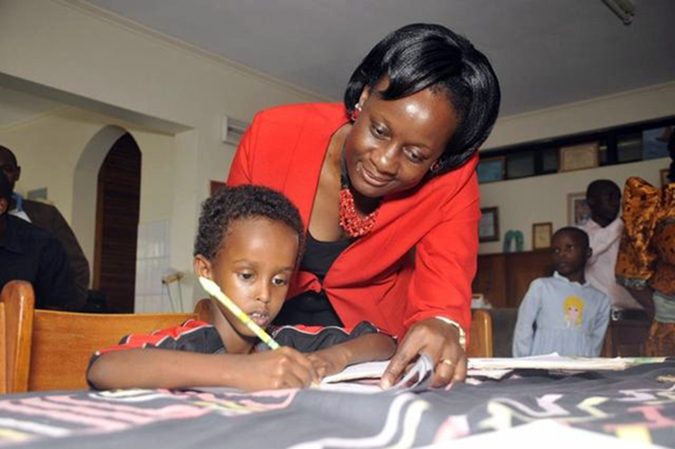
column 541, row 235
column 578, row 157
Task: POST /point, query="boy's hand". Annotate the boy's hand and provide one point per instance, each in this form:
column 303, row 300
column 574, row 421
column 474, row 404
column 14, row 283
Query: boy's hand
column 271, row 370
column 328, row 361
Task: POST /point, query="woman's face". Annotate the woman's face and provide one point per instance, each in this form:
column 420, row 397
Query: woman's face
column 393, row 144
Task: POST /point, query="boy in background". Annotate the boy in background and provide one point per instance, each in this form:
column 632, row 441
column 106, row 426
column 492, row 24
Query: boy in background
column 571, row 315
column 604, row 231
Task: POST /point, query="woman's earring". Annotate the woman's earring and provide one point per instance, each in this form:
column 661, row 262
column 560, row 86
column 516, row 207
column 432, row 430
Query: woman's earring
column 435, row 167
column 356, row 112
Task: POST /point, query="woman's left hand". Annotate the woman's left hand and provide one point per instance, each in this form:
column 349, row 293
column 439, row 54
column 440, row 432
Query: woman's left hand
column 438, row 339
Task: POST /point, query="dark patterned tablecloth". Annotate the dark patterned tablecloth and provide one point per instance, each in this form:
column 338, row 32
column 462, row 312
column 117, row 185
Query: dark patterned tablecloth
column 639, row 401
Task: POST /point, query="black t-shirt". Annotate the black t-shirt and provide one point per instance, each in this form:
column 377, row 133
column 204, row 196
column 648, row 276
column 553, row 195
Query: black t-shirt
column 29, row 253
column 319, row 256
column 313, row 308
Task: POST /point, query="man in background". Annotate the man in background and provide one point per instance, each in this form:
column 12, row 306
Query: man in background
column 604, row 231
column 29, row 253
column 50, row 219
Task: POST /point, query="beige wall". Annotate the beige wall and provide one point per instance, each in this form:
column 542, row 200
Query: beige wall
column 50, row 147
column 523, row 202
column 139, row 79
column 598, row 113
column 544, row 198
column 73, row 53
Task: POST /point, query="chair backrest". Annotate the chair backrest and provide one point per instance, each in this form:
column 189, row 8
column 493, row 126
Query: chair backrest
column 60, row 344
column 16, row 301
column 480, row 341
column 503, row 326
column 3, row 351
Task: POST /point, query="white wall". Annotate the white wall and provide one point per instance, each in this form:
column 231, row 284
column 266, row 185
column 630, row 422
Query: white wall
column 49, row 147
column 573, row 118
column 75, row 54
column 540, row 199
column 78, row 55
column 523, row 202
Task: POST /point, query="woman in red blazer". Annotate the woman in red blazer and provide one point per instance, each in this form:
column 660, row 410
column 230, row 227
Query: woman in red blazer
column 386, row 185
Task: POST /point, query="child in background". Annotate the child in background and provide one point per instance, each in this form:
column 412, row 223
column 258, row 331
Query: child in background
column 249, row 242
column 571, row 316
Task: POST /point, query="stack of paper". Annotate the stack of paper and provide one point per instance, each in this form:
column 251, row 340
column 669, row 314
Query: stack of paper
column 558, row 362
column 494, row 368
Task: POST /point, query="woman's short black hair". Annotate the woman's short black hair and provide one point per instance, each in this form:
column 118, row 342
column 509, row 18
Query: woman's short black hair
column 421, row 56
column 245, row 201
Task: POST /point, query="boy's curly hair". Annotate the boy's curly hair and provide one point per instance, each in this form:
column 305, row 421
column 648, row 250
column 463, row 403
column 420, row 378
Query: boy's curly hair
column 242, row 202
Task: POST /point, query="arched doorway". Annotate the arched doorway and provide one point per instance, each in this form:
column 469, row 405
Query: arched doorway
column 117, row 213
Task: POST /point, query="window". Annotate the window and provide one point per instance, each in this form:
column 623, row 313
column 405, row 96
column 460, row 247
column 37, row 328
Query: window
column 629, row 147
column 520, row 164
column 549, row 160
column 617, row 145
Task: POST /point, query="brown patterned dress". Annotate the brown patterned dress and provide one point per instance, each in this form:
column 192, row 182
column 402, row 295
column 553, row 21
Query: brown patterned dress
column 647, row 255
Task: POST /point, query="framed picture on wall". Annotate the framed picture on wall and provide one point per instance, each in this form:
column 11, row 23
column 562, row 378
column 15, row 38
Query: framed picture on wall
column 578, row 211
column 488, row 228
column 491, row 169
column 541, row 235
column 578, row 157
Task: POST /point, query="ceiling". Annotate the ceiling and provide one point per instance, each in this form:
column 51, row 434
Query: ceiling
column 545, row 52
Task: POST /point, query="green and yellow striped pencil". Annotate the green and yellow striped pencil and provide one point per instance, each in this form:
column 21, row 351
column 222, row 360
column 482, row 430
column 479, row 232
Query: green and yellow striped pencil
column 215, row 291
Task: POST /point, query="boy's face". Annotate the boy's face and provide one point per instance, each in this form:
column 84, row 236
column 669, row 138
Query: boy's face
column 11, row 171
column 569, row 253
column 606, row 203
column 253, row 268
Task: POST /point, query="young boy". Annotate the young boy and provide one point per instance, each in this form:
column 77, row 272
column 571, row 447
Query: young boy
column 570, row 314
column 249, row 243
column 604, row 230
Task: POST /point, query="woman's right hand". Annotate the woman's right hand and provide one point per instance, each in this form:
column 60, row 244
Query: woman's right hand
column 271, row 370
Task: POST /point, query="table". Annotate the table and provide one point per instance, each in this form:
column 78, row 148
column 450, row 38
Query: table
column 638, row 402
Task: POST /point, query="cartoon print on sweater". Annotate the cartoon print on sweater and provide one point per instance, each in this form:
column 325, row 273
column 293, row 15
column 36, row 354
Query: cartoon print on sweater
column 574, row 311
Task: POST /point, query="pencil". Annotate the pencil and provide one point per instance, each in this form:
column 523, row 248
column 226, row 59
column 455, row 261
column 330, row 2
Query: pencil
column 215, row 291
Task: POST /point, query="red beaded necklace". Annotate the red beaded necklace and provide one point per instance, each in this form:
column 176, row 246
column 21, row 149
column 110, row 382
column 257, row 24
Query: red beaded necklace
column 350, row 220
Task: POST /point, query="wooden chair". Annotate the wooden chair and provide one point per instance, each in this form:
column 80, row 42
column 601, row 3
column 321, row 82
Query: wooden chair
column 16, row 304
column 50, row 350
column 3, row 351
column 480, row 342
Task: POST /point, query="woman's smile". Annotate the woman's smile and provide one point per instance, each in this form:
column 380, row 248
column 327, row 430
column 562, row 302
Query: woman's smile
column 373, row 178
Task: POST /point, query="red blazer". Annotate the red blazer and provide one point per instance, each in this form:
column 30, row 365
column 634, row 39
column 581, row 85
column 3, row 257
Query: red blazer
column 420, row 257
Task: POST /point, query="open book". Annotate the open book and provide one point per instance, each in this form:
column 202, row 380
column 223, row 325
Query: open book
column 421, row 373
column 418, row 377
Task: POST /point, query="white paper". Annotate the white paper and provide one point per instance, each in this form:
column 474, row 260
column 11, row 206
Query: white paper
column 557, row 362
